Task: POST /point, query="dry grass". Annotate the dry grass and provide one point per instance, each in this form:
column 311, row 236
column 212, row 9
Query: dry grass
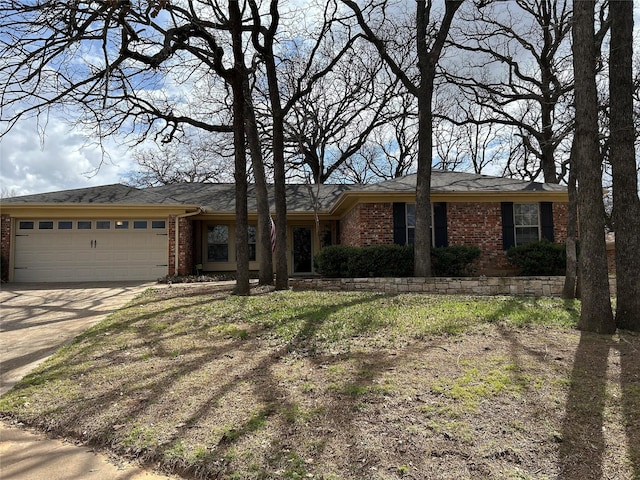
column 345, row 386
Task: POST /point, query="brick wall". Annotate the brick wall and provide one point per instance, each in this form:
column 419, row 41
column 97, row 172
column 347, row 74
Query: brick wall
column 185, row 246
column 185, row 258
column 560, row 218
column 468, row 223
column 479, row 224
column 368, row 224
column 5, row 244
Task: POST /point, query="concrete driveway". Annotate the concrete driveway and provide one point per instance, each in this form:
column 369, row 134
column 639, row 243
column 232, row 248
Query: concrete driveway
column 36, row 319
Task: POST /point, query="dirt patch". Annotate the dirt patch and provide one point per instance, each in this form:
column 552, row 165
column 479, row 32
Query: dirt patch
column 219, row 388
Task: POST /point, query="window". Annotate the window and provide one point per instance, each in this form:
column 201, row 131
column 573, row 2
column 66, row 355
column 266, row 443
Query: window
column 158, row 224
column 45, row 225
column 251, row 236
column 411, row 224
column 65, row 225
column 526, row 222
column 139, row 224
column 26, row 225
column 122, row 224
column 84, row 224
column 103, row 224
column 218, row 243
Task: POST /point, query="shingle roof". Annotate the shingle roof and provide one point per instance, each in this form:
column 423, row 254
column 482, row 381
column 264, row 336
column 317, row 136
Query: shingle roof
column 444, row 181
column 105, row 194
column 220, row 197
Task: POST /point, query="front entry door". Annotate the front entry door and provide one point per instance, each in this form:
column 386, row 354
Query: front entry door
column 302, row 251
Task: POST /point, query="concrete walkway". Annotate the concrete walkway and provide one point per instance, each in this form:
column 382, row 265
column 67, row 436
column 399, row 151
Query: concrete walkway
column 36, row 319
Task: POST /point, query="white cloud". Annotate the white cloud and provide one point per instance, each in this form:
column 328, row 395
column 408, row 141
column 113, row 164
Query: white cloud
column 60, row 159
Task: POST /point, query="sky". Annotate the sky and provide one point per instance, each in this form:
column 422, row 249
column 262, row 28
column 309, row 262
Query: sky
column 60, row 159
column 65, row 158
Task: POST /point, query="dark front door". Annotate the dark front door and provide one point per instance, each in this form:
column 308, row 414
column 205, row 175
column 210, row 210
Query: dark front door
column 302, row 251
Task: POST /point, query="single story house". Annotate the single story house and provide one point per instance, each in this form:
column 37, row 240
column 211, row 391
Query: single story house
column 117, row 232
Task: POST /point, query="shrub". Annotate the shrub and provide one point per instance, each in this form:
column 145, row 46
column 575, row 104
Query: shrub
column 454, row 260
column 375, row 261
column 333, row 261
column 340, row 261
column 539, row 258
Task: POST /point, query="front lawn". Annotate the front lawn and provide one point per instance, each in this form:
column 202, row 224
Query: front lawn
column 298, row 385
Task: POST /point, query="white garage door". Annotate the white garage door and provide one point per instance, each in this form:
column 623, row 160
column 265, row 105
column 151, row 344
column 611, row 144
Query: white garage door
column 76, row 250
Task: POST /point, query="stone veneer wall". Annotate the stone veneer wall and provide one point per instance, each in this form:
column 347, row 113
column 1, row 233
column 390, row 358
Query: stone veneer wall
column 521, row 286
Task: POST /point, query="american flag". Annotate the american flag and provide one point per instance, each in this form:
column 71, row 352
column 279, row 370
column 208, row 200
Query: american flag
column 273, row 235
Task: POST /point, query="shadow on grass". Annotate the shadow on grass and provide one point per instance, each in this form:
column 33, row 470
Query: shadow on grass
column 630, row 380
column 191, row 388
column 583, row 443
column 114, row 411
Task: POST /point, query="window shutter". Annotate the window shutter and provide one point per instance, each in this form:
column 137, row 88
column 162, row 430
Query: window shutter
column 399, row 224
column 546, row 220
column 440, row 224
column 508, row 230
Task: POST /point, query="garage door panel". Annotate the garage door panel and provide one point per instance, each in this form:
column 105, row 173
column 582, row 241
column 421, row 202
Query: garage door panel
column 86, row 255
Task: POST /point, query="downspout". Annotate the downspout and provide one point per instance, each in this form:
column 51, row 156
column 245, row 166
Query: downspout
column 176, row 253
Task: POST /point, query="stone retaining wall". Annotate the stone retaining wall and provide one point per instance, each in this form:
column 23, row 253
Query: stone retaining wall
column 520, row 286
column 524, row 286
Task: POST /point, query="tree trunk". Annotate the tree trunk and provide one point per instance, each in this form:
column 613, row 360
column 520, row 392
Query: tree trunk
column 253, row 139
column 596, row 314
column 265, row 254
column 571, row 274
column 240, row 176
column 422, row 240
column 277, row 117
column 626, row 204
column 279, row 176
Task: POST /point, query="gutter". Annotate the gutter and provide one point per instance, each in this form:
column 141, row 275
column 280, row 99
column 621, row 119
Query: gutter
column 176, row 253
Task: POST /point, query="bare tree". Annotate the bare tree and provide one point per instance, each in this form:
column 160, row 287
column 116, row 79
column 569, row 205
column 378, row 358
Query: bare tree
column 418, row 79
column 193, row 158
column 283, row 96
column 390, row 150
column 109, row 58
column 334, row 121
column 626, row 204
column 6, row 192
column 471, row 146
column 596, row 314
column 522, row 49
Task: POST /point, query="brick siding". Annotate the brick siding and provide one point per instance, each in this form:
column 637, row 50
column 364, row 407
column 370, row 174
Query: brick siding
column 479, row 224
column 560, row 219
column 185, row 246
column 468, row 223
column 368, row 224
column 5, row 244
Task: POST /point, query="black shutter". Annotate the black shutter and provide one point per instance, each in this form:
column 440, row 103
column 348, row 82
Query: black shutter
column 508, row 230
column 546, row 220
column 440, row 224
column 399, row 224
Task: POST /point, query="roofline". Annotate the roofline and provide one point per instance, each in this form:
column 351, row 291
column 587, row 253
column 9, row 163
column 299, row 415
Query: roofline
column 350, row 198
column 30, row 208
